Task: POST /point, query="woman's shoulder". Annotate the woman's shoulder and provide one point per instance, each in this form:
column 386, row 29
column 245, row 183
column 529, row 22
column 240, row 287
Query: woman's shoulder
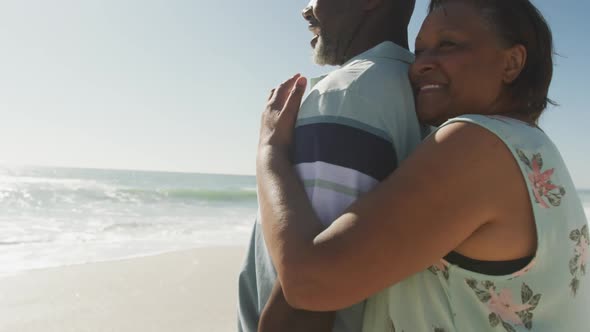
column 503, row 126
column 468, row 131
column 474, row 147
column 467, row 146
column 514, row 133
column 504, row 142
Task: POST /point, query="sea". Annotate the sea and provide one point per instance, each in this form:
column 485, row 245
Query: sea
column 63, row 216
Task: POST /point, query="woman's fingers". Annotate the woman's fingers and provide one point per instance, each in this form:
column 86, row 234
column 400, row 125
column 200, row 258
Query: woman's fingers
column 278, row 119
column 279, row 97
column 272, row 92
column 291, row 108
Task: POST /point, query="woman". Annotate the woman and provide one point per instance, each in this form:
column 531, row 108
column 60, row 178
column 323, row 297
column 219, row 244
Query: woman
column 480, row 229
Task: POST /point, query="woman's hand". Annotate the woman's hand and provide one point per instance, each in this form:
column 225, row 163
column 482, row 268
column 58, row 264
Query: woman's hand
column 280, row 114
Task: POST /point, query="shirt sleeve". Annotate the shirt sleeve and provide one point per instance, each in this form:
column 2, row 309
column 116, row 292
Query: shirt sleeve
column 340, row 157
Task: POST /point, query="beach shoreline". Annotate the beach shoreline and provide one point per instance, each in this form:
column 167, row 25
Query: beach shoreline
column 190, row 290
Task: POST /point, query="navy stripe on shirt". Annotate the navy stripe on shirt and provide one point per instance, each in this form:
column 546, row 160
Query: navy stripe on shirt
column 345, row 146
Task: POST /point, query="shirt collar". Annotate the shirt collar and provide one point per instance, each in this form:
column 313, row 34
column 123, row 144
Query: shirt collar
column 386, row 49
column 315, row 80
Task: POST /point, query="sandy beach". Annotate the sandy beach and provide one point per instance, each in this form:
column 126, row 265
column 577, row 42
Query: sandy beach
column 191, row 290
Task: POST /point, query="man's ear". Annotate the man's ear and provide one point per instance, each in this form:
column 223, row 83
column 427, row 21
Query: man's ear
column 371, row 4
column 516, row 57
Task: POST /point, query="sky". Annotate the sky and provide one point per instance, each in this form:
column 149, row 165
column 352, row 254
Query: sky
column 179, row 85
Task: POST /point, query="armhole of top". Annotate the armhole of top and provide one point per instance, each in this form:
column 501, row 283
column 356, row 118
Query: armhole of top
column 489, row 124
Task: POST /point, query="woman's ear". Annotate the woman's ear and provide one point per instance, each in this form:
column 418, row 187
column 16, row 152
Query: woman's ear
column 516, row 57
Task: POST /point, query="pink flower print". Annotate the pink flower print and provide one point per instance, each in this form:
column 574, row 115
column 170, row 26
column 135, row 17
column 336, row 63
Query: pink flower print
column 542, row 187
column 503, row 309
column 541, row 183
column 503, row 305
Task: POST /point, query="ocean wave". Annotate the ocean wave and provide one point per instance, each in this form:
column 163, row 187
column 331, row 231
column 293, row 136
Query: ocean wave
column 54, row 197
column 192, row 194
column 29, row 180
column 130, row 225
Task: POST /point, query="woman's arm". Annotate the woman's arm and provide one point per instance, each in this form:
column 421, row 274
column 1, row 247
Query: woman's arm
column 435, row 200
column 278, row 315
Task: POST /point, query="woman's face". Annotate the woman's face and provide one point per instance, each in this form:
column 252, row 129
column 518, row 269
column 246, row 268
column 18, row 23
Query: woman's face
column 459, row 66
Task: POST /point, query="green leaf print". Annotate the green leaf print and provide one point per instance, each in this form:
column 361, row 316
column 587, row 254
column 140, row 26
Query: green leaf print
column 534, row 302
column 554, row 199
column 574, row 264
column 575, row 235
column 494, row 319
column 537, row 157
column 526, row 293
column 508, row 327
column 527, row 320
column 524, row 158
column 574, row 285
column 488, row 284
column 562, row 191
column 483, row 296
column 577, row 264
column 472, row 283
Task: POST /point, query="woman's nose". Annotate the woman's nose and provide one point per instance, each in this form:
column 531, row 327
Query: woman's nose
column 423, row 64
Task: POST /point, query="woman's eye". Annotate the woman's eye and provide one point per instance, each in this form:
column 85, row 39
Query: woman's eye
column 446, row 44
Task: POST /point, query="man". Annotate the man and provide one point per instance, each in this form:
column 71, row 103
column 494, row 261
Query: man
column 353, row 129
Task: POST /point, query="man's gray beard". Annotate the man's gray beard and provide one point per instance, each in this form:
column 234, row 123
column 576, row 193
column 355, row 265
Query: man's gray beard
column 326, row 53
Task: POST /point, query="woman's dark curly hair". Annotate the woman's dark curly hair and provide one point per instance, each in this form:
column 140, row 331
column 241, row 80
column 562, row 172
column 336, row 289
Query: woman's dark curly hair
column 520, row 22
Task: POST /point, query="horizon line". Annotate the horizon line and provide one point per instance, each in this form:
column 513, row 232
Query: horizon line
column 9, row 165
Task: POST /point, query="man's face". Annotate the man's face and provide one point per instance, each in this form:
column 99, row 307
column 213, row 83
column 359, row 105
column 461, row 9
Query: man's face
column 333, row 23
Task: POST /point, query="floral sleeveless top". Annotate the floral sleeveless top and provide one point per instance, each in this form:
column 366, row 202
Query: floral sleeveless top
column 551, row 294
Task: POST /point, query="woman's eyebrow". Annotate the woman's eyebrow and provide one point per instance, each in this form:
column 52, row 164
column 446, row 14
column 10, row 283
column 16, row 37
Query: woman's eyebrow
column 441, row 31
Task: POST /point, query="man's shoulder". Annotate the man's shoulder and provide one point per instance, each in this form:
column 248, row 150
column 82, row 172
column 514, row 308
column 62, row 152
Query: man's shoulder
column 385, row 68
column 373, row 90
column 368, row 81
column 368, row 71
